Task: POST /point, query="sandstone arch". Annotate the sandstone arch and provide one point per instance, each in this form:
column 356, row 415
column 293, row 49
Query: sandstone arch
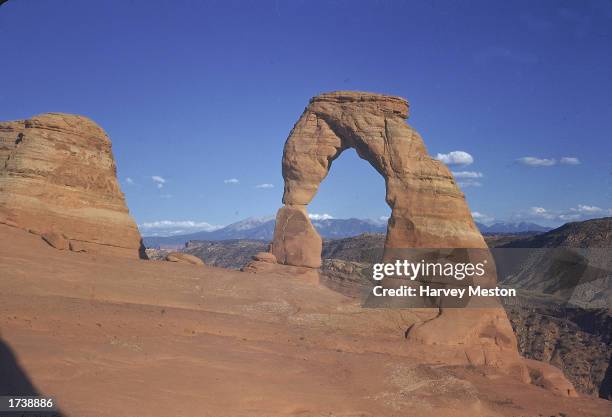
column 428, row 209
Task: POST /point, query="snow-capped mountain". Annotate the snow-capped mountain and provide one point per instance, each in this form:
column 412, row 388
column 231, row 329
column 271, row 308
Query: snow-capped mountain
column 262, row 228
column 508, row 227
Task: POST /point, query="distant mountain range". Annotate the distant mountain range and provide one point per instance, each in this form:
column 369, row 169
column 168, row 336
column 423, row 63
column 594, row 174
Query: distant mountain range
column 511, row 228
column 593, row 233
column 262, row 228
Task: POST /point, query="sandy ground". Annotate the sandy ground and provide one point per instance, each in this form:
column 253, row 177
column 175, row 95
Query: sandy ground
column 117, row 337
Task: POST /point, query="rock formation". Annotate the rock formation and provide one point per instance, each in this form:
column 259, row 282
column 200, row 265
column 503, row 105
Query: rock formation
column 428, row 211
column 265, row 257
column 260, row 262
column 58, row 178
column 56, row 240
column 296, row 241
column 184, row 258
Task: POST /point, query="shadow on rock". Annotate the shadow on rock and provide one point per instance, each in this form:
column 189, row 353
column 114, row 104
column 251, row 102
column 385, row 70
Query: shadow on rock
column 14, row 381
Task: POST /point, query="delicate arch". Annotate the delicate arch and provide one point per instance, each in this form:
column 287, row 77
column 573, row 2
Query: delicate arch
column 427, row 211
column 427, row 208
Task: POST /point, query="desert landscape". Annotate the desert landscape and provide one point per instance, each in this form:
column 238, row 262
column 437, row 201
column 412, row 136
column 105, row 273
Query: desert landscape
column 88, row 320
column 123, row 337
column 305, row 209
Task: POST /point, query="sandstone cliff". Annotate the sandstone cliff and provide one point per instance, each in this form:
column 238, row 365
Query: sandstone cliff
column 57, row 174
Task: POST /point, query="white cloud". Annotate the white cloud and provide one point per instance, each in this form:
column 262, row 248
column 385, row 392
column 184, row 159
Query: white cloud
column 264, row 186
column 481, row 217
column 540, row 212
column 159, row 181
column 477, row 215
column 379, row 221
column 569, row 160
column 231, row 181
column 467, row 174
column 579, row 213
column 174, row 227
column 469, row 183
column 587, row 209
column 455, row 158
column 532, row 161
column 129, row 181
column 324, row 216
column 569, row 217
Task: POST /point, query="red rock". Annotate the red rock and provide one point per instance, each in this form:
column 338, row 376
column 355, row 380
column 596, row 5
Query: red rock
column 428, row 210
column 58, row 169
column 56, row 240
column 184, row 258
column 295, row 241
column 76, row 246
column 551, row 378
column 9, row 223
column 265, row 257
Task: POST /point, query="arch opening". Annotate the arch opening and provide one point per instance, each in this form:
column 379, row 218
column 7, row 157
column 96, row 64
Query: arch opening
column 352, row 190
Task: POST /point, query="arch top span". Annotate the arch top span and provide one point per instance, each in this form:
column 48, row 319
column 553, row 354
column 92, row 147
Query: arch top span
column 428, row 209
column 381, row 102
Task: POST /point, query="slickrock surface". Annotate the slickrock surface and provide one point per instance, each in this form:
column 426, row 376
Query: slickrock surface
column 113, row 337
column 58, row 175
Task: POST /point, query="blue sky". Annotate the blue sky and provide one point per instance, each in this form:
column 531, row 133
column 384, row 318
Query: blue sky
column 195, row 94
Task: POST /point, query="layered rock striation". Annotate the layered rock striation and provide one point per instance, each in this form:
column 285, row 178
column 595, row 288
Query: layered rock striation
column 58, row 175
